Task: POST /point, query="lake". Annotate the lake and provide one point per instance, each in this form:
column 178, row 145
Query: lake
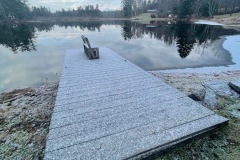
column 32, row 54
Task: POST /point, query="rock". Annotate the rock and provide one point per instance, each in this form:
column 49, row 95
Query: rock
column 221, row 88
column 210, row 98
column 194, row 97
column 235, row 85
column 198, row 94
column 217, row 88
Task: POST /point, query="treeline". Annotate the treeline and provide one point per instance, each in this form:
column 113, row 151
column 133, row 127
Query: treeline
column 181, row 8
column 18, row 9
column 87, row 11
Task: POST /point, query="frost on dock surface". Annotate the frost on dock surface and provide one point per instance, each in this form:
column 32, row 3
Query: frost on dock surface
column 111, row 109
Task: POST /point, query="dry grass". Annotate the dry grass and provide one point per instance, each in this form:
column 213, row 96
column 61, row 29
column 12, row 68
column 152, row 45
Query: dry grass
column 235, row 15
column 227, row 19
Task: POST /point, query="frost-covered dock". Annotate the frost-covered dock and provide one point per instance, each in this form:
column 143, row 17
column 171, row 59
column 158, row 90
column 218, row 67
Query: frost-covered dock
column 111, row 109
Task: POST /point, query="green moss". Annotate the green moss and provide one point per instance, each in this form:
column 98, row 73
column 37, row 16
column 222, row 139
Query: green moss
column 16, row 146
column 20, row 137
column 11, row 151
column 223, row 102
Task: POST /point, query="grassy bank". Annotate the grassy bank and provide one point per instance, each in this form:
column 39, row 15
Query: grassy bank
column 223, row 144
column 24, row 121
column 232, row 22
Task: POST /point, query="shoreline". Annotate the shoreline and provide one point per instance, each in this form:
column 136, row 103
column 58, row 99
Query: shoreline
column 230, row 22
column 26, row 113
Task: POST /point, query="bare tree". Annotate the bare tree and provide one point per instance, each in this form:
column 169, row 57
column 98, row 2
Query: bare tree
column 212, row 6
column 198, row 5
column 134, row 6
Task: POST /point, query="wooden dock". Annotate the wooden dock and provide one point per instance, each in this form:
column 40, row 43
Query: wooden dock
column 111, row 109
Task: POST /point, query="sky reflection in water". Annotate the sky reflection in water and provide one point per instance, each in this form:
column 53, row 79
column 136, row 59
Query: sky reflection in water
column 149, row 48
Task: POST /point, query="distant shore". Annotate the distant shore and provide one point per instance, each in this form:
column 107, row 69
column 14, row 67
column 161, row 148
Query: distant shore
column 64, row 19
column 232, row 21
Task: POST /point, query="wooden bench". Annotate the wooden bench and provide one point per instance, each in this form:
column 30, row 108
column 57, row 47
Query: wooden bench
column 91, row 52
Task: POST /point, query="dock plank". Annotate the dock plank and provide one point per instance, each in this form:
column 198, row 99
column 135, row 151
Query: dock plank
column 111, row 109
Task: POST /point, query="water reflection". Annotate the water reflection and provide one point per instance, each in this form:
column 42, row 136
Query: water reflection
column 127, row 32
column 185, row 39
column 185, row 35
column 18, row 37
column 153, row 46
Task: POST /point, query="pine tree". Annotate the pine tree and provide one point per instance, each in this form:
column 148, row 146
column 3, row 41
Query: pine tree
column 185, row 8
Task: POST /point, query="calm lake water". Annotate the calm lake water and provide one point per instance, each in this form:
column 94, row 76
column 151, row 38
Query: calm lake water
column 32, row 54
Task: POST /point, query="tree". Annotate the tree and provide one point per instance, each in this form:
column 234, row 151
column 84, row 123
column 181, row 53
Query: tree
column 185, row 8
column 233, row 5
column 41, row 12
column 212, row 7
column 127, row 6
column 97, row 12
column 16, row 8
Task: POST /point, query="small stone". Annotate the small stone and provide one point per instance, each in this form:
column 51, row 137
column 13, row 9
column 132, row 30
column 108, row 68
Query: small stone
column 194, row 97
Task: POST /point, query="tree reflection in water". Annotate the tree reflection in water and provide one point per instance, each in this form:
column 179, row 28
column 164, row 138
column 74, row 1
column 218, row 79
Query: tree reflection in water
column 182, row 34
column 18, row 37
column 185, row 39
column 21, row 37
column 127, row 32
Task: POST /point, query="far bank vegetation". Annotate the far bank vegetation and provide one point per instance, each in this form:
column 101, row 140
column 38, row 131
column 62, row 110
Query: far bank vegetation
column 19, row 10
